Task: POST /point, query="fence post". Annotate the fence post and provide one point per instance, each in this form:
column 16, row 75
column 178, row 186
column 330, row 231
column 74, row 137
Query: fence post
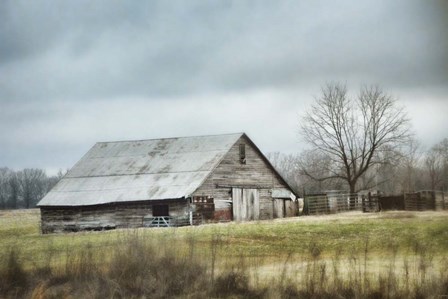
column 363, row 203
column 405, row 201
column 443, row 198
column 305, row 204
column 306, row 210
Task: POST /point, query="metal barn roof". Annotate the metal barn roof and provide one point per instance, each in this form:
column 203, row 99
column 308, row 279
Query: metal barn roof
column 140, row 170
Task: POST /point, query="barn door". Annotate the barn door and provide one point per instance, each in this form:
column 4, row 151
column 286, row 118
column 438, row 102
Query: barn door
column 279, row 207
column 237, row 202
column 246, row 204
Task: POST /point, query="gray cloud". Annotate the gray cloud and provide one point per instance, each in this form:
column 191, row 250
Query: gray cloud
column 102, row 49
column 75, row 72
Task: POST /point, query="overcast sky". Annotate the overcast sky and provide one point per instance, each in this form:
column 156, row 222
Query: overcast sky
column 76, row 72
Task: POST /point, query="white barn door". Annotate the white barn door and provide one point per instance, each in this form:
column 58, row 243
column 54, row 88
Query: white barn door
column 246, row 204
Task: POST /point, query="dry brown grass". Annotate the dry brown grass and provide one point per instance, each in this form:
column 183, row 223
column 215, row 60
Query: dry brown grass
column 354, row 255
column 140, row 268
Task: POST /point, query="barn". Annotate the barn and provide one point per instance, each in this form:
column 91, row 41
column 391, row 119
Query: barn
column 167, row 182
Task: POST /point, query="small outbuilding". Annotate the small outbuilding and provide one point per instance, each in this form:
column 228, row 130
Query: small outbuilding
column 167, row 182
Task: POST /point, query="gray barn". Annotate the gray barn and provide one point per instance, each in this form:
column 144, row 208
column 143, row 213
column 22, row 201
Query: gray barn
column 164, row 182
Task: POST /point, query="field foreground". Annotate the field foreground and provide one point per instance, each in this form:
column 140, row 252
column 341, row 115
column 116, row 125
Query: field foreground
column 350, row 255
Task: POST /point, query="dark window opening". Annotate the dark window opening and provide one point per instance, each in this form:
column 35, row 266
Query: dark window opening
column 205, row 206
column 160, row 210
column 242, row 153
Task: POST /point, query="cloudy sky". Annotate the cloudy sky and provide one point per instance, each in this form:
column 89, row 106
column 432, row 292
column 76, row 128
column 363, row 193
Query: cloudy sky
column 76, row 72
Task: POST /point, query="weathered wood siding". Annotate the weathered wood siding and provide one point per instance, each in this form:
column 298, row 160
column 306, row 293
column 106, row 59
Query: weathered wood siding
column 278, row 204
column 291, row 208
column 246, row 204
column 254, row 174
column 118, row 215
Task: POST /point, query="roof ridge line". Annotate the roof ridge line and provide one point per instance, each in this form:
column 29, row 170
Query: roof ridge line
column 168, row 138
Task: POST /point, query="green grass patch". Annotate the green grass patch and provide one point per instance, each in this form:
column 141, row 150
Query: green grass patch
column 20, row 229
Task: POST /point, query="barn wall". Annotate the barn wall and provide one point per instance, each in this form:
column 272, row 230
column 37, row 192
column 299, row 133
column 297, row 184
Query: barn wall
column 254, row 174
column 118, row 215
column 291, row 208
column 279, row 207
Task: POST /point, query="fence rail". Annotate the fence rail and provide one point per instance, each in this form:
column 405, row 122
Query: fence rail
column 332, row 203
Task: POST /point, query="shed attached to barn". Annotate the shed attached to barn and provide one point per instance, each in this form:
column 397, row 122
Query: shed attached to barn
column 172, row 181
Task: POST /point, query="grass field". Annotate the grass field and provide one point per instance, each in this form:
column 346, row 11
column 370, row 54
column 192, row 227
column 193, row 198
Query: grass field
column 351, row 255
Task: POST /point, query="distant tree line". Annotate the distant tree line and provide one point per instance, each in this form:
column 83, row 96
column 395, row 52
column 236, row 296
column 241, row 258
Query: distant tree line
column 410, row 169
column 24, row 188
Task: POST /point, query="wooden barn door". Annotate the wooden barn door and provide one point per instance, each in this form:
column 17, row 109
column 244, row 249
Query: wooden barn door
column 246, row 204
column 279, row 207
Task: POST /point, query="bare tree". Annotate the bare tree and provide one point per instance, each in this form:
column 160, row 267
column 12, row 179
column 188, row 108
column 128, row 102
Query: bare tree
column 436, row 162
column 409, row 165
column 316, row 170
column 382, row 175
column 4, row 187
column 287, row 166
column 24, row 188
column 33, row 184
column 53, row 180
column 353, row 132
column 14, row 191
column 399, row 170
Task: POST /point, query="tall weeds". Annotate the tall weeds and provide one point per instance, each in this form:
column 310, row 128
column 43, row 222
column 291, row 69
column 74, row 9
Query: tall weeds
column 137, row 266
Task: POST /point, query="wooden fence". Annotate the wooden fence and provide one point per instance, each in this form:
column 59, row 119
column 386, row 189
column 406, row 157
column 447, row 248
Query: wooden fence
column 332, row 203
column 416, row 201
column 391, row 202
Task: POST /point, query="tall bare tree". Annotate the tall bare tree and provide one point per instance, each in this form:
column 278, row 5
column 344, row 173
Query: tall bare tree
column 287, row 166
column 316, row 171
column 33, row 185
column 353, row 132
column 14, row 191
column 4, row 187
column 436, row 162
column 409, row 166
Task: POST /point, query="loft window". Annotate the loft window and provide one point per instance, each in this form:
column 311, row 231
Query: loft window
column 242, row 153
